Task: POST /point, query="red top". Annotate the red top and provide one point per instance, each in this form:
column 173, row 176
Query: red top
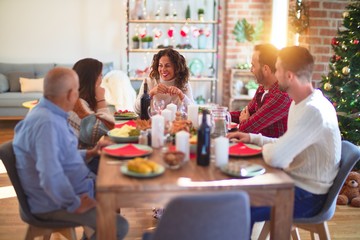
column 269, row 116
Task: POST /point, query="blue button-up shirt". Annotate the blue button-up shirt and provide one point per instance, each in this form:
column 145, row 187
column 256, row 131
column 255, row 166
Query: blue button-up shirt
column 52, row 170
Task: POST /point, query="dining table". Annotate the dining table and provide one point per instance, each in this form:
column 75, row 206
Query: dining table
column 115, row 190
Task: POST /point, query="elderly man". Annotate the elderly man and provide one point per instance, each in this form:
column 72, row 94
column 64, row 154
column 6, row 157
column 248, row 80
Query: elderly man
column 267, row 112
column 52, row 171
column 310, row 149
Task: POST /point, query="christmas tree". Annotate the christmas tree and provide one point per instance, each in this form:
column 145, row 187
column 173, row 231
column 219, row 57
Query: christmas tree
column 342, row 84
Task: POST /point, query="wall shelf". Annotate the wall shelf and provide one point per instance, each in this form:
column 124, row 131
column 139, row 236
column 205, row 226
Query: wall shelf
column 202, row 57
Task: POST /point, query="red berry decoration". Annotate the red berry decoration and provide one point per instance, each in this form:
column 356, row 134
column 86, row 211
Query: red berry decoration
column 334, row 41
column 356, row 41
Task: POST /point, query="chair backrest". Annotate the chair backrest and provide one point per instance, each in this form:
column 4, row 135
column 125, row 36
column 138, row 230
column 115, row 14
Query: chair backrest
column 224, row 215
column 350, row 155
column 8, row 157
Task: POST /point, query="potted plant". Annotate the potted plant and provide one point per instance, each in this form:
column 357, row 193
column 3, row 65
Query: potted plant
column 201, row 14
column 136, row 42
column 251, row 86
column 146, row 42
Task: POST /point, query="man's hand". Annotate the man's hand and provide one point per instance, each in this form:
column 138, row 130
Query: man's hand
column 244, row 115
column 98, row 147
column 240, row 136
column 86, row 203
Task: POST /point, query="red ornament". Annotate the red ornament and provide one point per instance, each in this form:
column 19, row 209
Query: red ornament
column 337, row 58
column 170, row 32
column 334, row 41
column 356, row 41
column 334, row 104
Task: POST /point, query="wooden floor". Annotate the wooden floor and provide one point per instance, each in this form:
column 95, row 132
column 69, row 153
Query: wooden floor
column 345, row 225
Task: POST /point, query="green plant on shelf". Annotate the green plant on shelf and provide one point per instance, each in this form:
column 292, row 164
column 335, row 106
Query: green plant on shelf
column 147, row 39
column 251, row 85
column 135, row 39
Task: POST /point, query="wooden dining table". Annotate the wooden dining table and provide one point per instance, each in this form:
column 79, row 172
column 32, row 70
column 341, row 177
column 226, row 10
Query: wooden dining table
column 115, row 190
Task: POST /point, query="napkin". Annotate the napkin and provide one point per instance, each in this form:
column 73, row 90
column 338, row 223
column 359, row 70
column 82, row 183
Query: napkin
column 130, row 123
column 241, row 149
column 128, row 150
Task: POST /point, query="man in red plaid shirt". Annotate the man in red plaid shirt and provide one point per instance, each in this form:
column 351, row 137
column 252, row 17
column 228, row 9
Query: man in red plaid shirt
column 267, row 112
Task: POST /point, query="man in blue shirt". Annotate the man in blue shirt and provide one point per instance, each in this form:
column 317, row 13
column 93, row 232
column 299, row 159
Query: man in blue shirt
column 53, row 173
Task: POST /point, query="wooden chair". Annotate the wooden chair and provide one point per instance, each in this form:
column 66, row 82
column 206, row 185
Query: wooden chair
column 36, row 226
column 350, row 155
column 224, row 216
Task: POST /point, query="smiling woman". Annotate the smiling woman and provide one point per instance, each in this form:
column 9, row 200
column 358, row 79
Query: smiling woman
column 169, row 80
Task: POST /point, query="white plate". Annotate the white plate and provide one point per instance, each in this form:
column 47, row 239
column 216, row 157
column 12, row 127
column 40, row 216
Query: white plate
column 147, row 150
column 252, row 146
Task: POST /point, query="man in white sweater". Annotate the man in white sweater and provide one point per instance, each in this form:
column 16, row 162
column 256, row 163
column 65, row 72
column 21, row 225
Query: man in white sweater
column 310, row 149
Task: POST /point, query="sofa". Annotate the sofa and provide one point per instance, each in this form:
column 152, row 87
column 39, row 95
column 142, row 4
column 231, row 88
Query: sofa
column 20, row 83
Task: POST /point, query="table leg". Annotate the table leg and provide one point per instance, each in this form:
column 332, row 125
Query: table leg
column 282, row 214
column 105, row 216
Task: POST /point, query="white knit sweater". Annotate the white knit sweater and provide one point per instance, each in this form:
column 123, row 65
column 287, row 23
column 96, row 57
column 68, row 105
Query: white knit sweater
column 310, row 149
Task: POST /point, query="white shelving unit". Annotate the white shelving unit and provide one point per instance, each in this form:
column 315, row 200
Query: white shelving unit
column 238, row 94
column 157, row 19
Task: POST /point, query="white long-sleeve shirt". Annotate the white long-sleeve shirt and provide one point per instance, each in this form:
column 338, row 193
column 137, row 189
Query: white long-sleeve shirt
column 188, row 99
column 310, row 150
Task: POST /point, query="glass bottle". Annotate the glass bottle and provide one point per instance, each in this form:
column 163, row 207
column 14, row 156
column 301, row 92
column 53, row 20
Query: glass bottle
column 203, row 142
column 145, row 103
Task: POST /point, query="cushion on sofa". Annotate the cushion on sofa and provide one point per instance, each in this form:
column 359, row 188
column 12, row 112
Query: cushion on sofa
column 4, row 83
column 31, row 85
column 14, row 79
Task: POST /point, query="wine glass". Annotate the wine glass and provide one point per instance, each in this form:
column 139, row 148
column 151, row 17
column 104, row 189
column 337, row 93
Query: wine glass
column 158, row 105
column 156, row 108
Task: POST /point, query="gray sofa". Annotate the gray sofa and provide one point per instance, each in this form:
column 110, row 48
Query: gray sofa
column 11, row 97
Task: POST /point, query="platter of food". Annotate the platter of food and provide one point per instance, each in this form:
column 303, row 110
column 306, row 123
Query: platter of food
column 142, row 168
column 124, row 134
column 125, row 115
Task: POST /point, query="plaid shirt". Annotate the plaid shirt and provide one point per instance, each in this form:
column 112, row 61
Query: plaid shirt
column 269, row 116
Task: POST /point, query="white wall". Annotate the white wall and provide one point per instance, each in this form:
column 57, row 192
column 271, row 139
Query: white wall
column 63, row 31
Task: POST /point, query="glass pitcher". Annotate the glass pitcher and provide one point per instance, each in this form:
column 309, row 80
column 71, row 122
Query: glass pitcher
column 221, row 120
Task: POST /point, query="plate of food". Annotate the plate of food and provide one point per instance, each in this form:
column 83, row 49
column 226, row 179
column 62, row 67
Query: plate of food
column 124, row 134
column 128, row 150
column 244, row 150
column 125, row 115
column 242, row 169
column 142, row 168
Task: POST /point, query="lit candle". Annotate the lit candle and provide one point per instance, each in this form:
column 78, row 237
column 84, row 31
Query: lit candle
column 183, row 144
column 193, row 114
column 221, row 151
column 173, row 108
column 157, row 131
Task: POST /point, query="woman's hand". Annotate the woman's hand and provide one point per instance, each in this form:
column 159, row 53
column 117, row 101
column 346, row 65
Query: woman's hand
column 241, row 136
column 175, row 91
column 99, row 93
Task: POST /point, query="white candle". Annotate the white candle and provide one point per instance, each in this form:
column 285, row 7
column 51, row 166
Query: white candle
column 221, row 151
column 173, row 108
column 166, row 113
column 157, row 131
column 183, row 144
column 193, row 114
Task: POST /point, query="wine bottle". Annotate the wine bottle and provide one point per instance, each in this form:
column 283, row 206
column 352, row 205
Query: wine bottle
column 203, row 142
column 145, row 103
